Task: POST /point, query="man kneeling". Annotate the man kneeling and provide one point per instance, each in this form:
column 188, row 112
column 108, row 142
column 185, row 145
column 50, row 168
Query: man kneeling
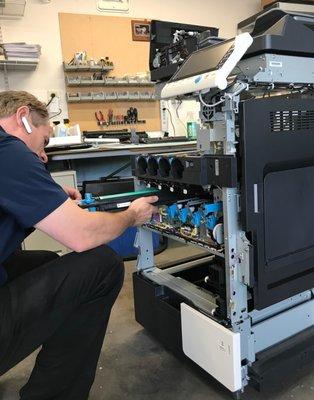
column 60, row 303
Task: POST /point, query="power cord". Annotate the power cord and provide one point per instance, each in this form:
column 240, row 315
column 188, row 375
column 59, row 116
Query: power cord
column 171, row 121
column 177, row 113
column 56, row 114
column 52, row 96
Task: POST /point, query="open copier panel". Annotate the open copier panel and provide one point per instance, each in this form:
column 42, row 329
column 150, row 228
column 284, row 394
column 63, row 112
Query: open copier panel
column 245, row 195
column 277, row 194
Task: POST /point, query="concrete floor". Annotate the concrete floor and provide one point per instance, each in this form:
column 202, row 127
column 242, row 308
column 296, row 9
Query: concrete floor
column 134, row 366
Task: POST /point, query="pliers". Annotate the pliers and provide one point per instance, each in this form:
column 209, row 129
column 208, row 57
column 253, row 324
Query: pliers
column 99, row 116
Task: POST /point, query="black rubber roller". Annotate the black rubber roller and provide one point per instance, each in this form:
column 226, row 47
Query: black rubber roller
column 163, row 167
column 141, row 165
column 177, row 168
column 152, row 166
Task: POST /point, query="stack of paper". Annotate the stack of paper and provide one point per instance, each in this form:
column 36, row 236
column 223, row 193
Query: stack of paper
column 22, row 52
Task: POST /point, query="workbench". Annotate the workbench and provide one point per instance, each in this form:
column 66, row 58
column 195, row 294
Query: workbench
column 118, row 150
column 96, row 162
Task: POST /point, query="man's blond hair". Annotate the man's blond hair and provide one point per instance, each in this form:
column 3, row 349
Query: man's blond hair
column 12, row 100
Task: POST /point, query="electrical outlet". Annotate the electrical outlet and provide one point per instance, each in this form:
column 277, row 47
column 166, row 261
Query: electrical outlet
column 53, row 92
column 164, row 116
column 53, row 101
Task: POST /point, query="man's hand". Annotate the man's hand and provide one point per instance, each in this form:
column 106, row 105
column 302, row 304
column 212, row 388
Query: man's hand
column 73, row 193
column 142, row 209
column 81, row 230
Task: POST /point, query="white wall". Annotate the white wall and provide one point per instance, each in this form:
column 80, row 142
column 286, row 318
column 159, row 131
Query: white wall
column 40, row 25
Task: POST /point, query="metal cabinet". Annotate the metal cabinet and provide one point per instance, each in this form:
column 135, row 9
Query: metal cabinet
column 39, row 240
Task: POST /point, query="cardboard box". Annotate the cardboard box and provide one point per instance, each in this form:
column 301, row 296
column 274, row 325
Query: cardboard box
column 268, row 2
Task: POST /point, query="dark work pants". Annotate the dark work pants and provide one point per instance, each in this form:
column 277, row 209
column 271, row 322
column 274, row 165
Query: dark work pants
column 64, row 305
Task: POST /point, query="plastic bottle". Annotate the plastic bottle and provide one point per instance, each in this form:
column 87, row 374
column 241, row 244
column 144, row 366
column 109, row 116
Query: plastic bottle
column 62, row 131
column 191, row 127
column 55, row 128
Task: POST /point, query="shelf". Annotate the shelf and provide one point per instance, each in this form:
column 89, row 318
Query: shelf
column 89, row 68
column 12, row 8
column 18, row 65
column 69, row 100
column 102, row 84
column 94, row 97
column 83, row 81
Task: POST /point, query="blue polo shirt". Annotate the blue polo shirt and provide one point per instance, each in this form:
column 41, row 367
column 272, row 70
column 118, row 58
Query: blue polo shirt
column 28, row 194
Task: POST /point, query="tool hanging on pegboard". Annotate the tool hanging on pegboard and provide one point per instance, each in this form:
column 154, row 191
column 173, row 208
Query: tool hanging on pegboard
column 131, row 117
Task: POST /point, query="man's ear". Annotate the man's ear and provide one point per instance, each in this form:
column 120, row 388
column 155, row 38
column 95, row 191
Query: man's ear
column 22, row 118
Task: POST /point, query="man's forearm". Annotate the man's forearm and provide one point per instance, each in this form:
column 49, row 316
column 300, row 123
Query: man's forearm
column 81, row 230
column 102, row 227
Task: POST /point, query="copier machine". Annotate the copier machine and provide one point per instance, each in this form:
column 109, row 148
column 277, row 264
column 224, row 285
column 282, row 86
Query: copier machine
column 243, row 312
column 246, row 195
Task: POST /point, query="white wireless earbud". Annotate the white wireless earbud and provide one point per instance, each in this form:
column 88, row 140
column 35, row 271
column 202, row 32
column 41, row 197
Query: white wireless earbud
column 26, row 125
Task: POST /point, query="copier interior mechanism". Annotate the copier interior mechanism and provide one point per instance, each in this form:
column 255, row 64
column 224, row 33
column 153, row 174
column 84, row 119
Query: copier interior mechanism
column 245, row 195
